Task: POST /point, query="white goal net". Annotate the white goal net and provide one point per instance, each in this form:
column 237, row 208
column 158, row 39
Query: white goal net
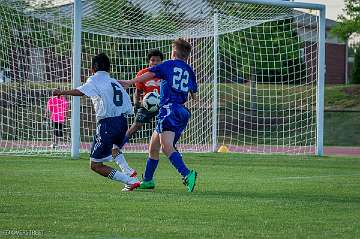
column 257, row 67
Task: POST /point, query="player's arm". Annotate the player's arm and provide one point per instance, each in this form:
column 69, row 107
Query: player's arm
column 139, row 79
column 194, row 87
column 154, row 72
column 73, row 92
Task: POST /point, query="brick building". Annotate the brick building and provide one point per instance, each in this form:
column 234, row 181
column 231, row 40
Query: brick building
column 336, row 57
column 336, row 51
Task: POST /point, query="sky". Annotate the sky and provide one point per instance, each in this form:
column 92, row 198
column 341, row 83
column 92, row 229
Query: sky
column 333, row 7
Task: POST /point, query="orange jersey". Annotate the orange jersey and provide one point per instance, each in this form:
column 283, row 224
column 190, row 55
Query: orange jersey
column 149, row 85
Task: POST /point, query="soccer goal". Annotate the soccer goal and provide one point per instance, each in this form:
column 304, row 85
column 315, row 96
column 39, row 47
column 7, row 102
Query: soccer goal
column 259, row 65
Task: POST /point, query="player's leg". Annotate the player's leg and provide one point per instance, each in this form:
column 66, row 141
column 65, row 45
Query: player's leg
column 133, row 129
column 114, row 174
column 154, row 147
column 101, row 152
column 55, row 134
column 152, row 162
column 118, row 129
column 168, row 141
column 122, row 163
column 172, row 127
column 101, row 168
column 118, row 155
column 167, row 146
column 140, row 119
column 60, row 134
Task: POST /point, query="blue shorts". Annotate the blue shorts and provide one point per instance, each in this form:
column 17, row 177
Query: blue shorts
column 174, row 118
column 109, row 131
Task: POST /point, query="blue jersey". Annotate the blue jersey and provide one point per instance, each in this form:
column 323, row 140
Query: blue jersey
column 178, row 79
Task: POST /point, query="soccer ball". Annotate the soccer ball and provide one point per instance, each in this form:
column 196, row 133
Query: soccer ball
column 151, row 101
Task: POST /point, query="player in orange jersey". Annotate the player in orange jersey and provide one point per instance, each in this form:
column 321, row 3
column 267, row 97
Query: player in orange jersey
column 143, row 116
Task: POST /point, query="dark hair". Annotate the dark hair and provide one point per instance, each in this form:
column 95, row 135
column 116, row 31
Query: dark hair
column 183, row 48
column 155, row 52
column 101, row 62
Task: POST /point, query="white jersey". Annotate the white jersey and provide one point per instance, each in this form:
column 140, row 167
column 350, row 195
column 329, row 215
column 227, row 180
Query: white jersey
column 108, row 96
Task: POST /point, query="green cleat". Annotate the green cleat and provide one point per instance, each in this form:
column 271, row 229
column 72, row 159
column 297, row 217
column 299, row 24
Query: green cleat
column 190, row 180
column 147, row 185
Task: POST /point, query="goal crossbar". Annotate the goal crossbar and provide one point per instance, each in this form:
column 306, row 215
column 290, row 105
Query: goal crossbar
column 278, row 3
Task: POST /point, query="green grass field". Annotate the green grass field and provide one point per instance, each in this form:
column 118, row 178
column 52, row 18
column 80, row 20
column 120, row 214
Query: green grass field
column 237, row 196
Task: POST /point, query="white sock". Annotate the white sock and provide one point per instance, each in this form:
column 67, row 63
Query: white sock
column 123, row 165
column 121, row 177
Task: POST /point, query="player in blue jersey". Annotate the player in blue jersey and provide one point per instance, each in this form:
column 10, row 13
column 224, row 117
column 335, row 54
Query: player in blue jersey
column 112, row 104
column 178, row 81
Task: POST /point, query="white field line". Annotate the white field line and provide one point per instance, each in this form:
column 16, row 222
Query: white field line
column 319, row 176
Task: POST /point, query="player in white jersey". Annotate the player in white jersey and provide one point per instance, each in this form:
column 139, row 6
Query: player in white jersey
column 112, row 104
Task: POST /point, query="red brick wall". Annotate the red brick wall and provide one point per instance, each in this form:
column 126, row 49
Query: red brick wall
column 335, row 63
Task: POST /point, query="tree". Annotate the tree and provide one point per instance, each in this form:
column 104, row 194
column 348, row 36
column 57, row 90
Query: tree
column 272, row 48
column 350, row 22
column 23, row 29
column 347, row 26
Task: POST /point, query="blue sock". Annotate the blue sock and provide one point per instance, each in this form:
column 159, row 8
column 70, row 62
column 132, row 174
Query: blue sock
column 177, row 161
column 151, row 165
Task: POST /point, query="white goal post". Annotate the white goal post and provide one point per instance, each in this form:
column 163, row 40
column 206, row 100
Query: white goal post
column 75, row 113
column 260, row 67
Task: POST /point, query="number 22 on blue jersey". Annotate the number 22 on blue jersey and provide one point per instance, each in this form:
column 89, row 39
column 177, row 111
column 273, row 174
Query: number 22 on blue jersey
column 180, row 79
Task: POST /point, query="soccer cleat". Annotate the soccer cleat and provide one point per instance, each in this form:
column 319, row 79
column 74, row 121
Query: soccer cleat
column 147, row 184
column 133, row 174
column 126, row 188
column 190, row 180
column 131, row 187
